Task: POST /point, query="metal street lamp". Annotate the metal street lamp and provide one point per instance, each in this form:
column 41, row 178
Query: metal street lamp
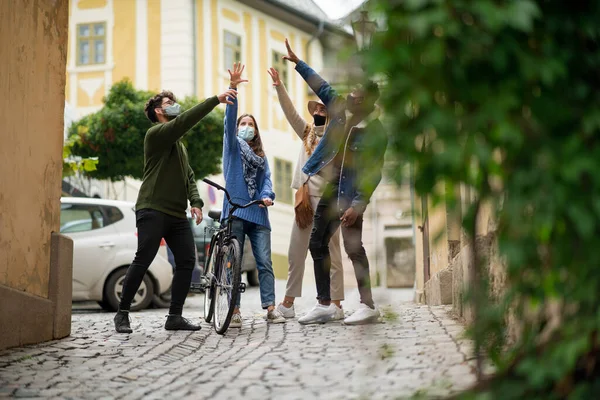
column 364, row 29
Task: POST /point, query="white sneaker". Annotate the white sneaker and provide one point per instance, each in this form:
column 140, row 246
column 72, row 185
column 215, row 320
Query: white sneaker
column 286, row 312
column 275, row 317
column 319, row 315
column 236, row 321
column 364, row 315
column 339, row 313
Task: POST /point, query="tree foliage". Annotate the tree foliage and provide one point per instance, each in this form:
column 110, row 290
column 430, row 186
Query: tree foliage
column 502, row 96
column 73, row 164
column 115, row 134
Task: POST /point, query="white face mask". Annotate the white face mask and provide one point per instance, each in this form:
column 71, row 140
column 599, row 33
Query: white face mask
column 246, row 133
column 173, row 110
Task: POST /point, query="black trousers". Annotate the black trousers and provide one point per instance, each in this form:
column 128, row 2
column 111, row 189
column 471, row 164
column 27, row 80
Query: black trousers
column 152, row 226
column 326, row 222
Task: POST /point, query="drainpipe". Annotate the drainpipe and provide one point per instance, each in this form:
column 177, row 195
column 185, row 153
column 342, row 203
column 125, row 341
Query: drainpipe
column 194, row 48
column 411, row 184
column 315, row 35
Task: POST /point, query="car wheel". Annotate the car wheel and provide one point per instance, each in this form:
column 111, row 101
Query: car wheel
column 114, row 288
column 162, row 300
column 252, row 277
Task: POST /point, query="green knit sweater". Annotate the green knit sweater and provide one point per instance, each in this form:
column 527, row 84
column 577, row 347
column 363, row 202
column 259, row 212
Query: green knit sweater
column 168, row 181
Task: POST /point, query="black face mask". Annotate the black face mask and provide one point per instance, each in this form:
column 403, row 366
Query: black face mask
column 319, row 120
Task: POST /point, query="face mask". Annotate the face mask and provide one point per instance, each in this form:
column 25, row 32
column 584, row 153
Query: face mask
column 173, row 110
column 319, row 120
column 246, row 133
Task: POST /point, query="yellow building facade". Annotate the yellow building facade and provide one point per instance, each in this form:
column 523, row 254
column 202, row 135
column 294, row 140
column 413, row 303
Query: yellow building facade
column 186, row 46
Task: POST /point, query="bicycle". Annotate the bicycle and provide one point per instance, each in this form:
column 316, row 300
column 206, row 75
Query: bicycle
column 222, row 271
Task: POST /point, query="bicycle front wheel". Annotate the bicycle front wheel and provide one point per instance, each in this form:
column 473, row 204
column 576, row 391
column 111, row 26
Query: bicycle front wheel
column 227, row 287
column 209, row 280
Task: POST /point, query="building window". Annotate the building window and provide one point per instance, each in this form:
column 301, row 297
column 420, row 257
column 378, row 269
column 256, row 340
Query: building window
column 281, row 66
column 91, row 43
column 283, row 180
column 232, row 48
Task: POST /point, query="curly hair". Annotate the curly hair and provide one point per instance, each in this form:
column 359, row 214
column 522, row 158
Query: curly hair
column 256, row 142
column 156, row 102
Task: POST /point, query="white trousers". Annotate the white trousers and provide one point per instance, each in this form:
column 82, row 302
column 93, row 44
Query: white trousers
column 297, row 258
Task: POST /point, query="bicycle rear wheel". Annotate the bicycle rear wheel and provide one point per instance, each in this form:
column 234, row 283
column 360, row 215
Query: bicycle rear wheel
column 209, row 279
column 227, row 288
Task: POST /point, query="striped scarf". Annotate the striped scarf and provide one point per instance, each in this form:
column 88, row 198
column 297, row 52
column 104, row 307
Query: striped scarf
column 251, row 163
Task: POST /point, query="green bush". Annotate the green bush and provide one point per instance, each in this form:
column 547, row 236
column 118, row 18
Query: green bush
column 501, row 96
column 115, row 134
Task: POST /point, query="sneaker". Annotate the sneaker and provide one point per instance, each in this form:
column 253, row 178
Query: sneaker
column 320, row 314
column 236, row 321
column 275, row 317
column 286, row 312
column 122, row 322
column 178, row 323
column 364, row 315
column 339, row 313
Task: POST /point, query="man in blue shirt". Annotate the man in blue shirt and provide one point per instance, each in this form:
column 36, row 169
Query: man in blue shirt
column 350, row 156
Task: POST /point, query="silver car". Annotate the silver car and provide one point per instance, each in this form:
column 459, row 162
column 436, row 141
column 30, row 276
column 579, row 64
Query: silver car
column 104, row 244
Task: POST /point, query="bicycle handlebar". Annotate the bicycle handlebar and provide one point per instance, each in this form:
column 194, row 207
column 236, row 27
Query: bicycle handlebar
column 216, row 185
column 219, row 187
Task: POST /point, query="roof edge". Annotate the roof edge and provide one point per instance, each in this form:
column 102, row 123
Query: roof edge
column 266, row 6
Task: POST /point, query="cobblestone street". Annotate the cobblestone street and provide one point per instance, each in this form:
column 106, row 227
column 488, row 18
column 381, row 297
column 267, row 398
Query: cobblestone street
column 415, row 349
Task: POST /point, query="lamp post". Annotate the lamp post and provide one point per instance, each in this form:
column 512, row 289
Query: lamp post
column 363, row 29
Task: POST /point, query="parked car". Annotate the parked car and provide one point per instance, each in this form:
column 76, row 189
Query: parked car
column 202, row 236
column 104, row 244
column 248, row 261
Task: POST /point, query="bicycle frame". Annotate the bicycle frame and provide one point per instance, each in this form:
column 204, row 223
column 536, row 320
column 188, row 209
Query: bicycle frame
column 233, row 208
column 224, row 234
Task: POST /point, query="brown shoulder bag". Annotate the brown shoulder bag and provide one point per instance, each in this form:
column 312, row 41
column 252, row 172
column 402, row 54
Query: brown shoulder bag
column 303, row 207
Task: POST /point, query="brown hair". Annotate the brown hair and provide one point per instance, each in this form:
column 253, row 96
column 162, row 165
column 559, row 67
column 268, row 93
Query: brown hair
column 256, row 142
column 156, row 102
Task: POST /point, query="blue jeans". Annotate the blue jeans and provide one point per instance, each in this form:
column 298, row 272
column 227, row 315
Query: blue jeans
column 260, row 239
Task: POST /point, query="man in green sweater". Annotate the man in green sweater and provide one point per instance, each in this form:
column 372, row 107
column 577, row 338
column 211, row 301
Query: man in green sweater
column 167, row 185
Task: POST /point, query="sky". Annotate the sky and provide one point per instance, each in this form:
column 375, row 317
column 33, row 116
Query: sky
column 338, row 8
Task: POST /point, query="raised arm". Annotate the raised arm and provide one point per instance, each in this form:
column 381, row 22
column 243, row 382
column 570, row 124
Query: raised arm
column 298, row 123
column 322, row 89
column 168, row 133
column 230, row 139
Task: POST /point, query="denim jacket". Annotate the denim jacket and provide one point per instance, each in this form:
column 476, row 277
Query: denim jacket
column 363, row 147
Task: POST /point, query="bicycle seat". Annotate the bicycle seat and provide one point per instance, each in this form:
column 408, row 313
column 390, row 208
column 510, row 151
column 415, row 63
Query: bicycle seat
column 215, row 214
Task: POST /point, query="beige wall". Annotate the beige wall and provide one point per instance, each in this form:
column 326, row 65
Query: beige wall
column 448, row 245
column 32, row 136
column 438, row 239
column 33, row 45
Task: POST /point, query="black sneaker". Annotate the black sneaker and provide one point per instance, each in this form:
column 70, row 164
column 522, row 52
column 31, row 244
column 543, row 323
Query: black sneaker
column 122, row 322
column 178, row 323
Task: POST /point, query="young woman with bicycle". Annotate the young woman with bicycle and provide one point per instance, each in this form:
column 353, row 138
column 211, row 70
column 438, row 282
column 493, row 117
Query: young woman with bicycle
column 248, row 178
column 309, row 190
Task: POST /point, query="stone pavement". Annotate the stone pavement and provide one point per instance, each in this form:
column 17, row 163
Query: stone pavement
column 414, row 350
